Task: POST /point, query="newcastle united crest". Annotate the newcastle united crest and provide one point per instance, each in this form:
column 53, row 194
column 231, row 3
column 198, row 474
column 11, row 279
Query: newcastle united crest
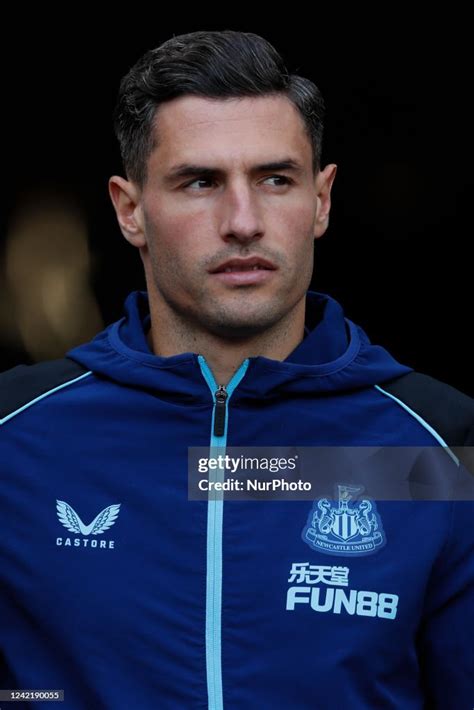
column 351, row 527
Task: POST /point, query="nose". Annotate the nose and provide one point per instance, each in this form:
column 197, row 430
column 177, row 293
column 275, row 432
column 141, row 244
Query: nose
column 241, row 217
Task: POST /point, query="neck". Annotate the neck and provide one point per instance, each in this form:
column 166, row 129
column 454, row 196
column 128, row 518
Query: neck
column 170, row 334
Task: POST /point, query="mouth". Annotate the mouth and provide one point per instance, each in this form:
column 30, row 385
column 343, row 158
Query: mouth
column 232, row 269
column 244, row 277
column 251, row 263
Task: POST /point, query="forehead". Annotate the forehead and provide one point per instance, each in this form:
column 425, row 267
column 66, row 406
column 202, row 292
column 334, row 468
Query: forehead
column 196, row 127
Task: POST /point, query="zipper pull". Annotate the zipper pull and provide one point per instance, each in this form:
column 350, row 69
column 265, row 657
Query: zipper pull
column 219, row 417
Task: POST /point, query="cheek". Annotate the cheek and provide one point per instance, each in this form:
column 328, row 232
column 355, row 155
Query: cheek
column 176, row 249
column 297, row 215
column 306, row 216
column 297, row 230
column 165, row 233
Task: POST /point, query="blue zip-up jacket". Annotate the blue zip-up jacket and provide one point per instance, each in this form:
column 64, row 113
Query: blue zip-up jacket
column 119, row 589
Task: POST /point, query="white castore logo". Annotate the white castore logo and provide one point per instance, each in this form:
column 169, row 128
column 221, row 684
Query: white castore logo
column 72, row 522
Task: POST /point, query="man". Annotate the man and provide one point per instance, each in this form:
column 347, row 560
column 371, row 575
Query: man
column 119, row 588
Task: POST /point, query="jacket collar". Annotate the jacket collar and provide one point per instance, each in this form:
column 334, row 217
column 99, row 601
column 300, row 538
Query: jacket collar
column 334, row 355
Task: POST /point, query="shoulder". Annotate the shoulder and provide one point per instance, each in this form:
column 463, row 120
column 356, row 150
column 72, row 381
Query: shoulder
column 448, row 410
column 24, row 384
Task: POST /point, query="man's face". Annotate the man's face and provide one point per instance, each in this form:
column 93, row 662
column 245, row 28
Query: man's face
column 194, row 222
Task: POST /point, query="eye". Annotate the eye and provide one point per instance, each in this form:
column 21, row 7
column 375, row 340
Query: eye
column 286, row 180
column 188, row 184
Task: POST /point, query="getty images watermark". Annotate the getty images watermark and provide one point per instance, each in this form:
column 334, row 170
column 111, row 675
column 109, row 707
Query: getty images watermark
column 248, row 465
column 436, row 473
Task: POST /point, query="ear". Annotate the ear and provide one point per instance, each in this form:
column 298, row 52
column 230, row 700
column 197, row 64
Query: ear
column 126, row 199
column 324, row 181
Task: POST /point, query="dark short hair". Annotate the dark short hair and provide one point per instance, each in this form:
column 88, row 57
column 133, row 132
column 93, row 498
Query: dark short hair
column 219, row 65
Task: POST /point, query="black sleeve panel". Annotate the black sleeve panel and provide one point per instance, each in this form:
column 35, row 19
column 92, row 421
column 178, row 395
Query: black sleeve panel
column 23, row 383
column 448, row 410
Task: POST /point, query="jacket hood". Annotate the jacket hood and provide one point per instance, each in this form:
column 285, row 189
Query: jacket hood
column 334, row 356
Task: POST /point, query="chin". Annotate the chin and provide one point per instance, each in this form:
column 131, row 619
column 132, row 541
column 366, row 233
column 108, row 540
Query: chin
column 233, row 329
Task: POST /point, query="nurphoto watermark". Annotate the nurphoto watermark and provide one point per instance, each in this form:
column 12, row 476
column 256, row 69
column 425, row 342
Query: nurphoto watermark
column 395, row 473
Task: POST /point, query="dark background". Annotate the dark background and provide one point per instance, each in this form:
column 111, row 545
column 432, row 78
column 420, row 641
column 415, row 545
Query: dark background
column 398, row 251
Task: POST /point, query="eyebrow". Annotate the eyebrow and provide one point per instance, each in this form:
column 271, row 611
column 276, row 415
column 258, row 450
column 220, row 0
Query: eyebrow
column 190, row 170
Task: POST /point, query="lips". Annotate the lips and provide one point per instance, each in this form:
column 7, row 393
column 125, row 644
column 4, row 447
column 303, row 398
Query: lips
column 251, row 264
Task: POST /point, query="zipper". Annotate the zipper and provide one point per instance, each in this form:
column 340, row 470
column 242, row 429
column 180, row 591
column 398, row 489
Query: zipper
column 215, row 510
column 220, row 412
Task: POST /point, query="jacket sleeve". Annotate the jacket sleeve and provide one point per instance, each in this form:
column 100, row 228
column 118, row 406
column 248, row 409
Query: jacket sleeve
column 446, row 635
